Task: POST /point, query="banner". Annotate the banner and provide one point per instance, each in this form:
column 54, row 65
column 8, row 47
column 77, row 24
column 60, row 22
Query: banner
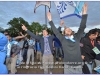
column 69, row 8
column 38, row 3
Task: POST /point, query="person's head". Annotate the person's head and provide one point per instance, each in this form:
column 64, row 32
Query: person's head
column 37, row 33
column 5, row 33
column 93, row 34
column 68, row 32
column 8, row 36
column 45, row 33
column 98, row 39
column 30, row 38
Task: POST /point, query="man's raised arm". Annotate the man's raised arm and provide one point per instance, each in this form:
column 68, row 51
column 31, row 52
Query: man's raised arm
column 83, row 22
column 55, row 30
column 30, row 33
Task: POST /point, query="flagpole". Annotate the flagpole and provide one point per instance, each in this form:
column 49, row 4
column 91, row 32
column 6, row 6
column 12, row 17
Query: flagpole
column 45, row 17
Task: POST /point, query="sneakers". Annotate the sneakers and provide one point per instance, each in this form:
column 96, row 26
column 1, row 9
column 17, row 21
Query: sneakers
column 27, row 67
column 50, row 72
column 32, row 63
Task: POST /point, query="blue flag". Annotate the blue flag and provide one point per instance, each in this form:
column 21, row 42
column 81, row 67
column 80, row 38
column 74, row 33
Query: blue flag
column 69, row 8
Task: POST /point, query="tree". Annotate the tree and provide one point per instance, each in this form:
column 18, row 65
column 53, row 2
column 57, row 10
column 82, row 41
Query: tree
column 16, row 23
column 15, row 26
column 44, row 26
column 36, row 27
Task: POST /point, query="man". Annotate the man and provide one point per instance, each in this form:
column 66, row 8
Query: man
column 10, row 39
column 46, row 43
column 3, row 50
column 24, row 46
column 30, row 52
column 88, row 43
column 70, row 44
column 25, row 49
column 14, row 50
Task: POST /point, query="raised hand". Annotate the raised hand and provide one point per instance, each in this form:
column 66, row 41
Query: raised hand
column 49, row 16
column 23, row 27
column 20, row 33
column 26, row 34
column 61, row 22
column 85, row 8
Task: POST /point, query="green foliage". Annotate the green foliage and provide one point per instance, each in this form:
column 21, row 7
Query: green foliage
column 36, row 27
column 15, row 26
column 16, row 23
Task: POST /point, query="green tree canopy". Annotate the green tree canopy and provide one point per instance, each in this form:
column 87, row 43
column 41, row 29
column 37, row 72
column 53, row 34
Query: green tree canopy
column 16, row 23
column 15, row 26
column 36, row 27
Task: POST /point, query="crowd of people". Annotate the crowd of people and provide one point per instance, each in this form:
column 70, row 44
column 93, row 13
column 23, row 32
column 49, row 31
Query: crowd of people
column 76, row 49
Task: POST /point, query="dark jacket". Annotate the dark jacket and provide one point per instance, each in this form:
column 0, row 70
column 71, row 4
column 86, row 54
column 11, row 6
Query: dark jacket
column 86, row 50
column 57, row 43
column 25, row 43
column 72, row 53
column 41, row 40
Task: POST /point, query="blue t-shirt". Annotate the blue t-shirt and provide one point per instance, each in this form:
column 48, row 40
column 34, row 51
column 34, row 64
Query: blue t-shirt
column 38, row 46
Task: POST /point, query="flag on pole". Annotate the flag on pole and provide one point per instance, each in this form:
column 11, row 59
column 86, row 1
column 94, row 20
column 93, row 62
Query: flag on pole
column 69, row 8
column 38, row 3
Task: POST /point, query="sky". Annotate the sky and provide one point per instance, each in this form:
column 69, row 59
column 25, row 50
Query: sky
column 25, row 9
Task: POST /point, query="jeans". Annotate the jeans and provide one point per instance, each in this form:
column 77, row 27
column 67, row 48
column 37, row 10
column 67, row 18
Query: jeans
column 58, row 52
column 90, row 66
column 25, row 54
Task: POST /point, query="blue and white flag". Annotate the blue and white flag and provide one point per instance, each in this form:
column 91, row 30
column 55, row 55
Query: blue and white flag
column 69, row 8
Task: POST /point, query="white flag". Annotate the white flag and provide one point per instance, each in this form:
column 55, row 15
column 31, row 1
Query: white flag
column 69, row 8
column 38, row 3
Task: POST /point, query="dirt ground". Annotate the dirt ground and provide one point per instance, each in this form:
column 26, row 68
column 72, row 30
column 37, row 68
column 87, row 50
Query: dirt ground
column 35, row 69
